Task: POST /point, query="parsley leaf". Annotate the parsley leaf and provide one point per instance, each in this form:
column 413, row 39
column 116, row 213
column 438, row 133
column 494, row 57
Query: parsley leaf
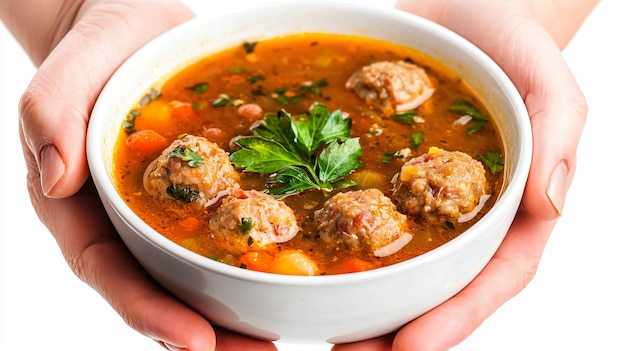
column 290, row 180
column 464, row 107
column 406, row 117
column 320, row 128
column 246, row 224
column 198, row 88
column 185, row 195
column 313, row 151
column 339, row 159
column 249, row 46
column 259, row 155
column 493, row 160
column 186, row 154
column 417, row 139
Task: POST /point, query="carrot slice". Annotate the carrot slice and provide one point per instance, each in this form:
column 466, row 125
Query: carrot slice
column 257, row 261
column 146, row 143
column 353, row 265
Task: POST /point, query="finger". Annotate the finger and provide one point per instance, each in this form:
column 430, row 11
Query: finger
column 55, row 108
column 533, row 61
column 97, row 256
column 558, row 110
column 229, row 341
column 382, row 343
column 512, row 267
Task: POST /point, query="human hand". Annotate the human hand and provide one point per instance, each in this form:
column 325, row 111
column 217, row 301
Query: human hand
column 54, row 113
column 514, row 37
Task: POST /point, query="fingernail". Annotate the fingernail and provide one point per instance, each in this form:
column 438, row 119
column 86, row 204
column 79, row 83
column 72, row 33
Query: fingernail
column 171, row 347
column 51, row 168
column 557, row 186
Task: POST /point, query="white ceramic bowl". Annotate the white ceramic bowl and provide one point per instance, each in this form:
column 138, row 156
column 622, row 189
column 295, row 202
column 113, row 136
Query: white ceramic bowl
column 339, row 308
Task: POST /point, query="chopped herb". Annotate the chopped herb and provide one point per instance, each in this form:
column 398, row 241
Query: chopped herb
column 186, row 154
column 129, row 122
column 198, row 88
column 474, row 127
column 493, row 160
column 258, row 91
column 250, row 241
column 198, row 105
column 417, row 139
column 406, row 117
column 313, row 151
column 236, row 70
column 284, row 97
column 314, row 88
column 249, row 46
column 185, row 195
column 389, row 157
column 146, row 99
column 243, row 266
column 221, row 101
column 256, row 78
column 246, row 225
column 464, row 107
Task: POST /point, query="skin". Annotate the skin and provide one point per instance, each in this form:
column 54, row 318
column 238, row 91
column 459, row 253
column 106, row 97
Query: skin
column 523, row 36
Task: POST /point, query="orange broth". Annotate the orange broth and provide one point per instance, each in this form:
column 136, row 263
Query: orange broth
column 284, row 64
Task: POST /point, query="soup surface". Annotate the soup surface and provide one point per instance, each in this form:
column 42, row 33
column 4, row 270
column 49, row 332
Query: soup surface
column 310, row 154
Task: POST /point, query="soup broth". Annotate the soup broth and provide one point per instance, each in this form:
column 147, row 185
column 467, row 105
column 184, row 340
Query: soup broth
column 222, row 97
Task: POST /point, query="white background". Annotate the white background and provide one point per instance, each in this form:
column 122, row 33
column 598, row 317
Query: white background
column 576, row 302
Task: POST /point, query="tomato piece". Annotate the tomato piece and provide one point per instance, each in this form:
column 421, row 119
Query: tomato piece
column 146, row 143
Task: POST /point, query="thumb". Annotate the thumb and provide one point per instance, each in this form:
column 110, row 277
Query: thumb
column 54, row 110
column 557, row 110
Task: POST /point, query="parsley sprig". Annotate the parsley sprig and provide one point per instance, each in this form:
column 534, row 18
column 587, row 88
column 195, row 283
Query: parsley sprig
column 312, row 151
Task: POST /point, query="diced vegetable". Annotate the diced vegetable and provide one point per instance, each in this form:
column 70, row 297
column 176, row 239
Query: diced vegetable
column 294, row 262
column 257, row 261
column 146, row 143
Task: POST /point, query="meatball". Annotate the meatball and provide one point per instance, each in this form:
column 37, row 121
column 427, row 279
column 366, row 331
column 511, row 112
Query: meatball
column 391, row 87
column 363, row 219
column 440, row 183
column 251, row 220
column 191, row 169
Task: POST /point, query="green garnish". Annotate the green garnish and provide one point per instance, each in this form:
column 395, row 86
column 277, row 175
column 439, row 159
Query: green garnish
column 313, row 151
column 249, row 46
column 129, row 122
column 256, row 78
column 406, row 117
column 221, row 101
column 236, row 70
column 314, row 88
column 246, row 225
column 389, row 157
column 417, row 139
column 185, row 195
column 493, row 160
column 464, row 107
column 198, row 88
column 188, row 155
column 146, row 99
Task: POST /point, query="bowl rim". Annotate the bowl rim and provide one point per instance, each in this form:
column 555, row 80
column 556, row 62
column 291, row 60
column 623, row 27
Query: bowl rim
column 106, row 187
